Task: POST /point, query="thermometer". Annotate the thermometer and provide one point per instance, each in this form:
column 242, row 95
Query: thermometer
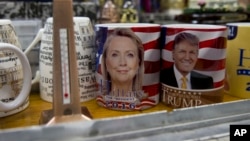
column 66, row 92
column 65, row 65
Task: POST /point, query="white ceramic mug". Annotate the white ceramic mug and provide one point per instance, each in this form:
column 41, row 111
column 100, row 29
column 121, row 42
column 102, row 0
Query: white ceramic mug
column 13, row 90
column 85, row 50
column 15, row 72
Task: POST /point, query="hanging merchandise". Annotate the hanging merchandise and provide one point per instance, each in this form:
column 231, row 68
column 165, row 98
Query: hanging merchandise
column 109, row 13
column 129, row 12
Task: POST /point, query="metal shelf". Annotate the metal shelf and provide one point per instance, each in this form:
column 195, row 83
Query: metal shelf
column 195, row 123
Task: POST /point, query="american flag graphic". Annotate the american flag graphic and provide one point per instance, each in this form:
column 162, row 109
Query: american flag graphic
column 150, row 35
column 212, row 49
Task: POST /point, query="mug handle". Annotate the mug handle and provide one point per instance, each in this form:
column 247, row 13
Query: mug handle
column 24, row 93
column 35, row 41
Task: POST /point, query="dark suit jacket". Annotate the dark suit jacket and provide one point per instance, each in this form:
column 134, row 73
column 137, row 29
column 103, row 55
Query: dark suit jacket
column 198, row 81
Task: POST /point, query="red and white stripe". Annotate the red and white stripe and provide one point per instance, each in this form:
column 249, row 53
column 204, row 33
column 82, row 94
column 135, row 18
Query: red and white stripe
column 212, row 51
column 152, row 56
column 145, row 103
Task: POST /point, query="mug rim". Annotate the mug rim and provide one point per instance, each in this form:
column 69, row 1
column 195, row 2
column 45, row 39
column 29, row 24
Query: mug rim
column 5, row 21
column 194, row 26
column 128, row 25
column 239, row 24
column 75, row 19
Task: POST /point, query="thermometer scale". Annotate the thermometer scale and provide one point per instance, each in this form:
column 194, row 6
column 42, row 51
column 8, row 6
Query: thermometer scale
column 65, row 65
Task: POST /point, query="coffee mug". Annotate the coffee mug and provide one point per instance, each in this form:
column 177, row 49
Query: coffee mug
column 85, row 50
column 128, row 65
column 238, row 60
column 193, row 64
column 15, row 72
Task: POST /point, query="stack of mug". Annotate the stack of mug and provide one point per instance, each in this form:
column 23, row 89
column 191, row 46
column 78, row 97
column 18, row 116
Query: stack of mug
column 197, row 52
column 16, row 78
column 214, row 60
column 134, row 66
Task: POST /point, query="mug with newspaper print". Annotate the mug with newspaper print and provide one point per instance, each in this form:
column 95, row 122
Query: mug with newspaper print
column 15, row 72
column 85, row 50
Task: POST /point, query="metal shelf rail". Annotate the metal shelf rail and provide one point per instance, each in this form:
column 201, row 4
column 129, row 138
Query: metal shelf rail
column 195, row 123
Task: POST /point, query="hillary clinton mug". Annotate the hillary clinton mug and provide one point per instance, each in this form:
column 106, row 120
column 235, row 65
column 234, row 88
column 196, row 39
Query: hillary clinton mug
column 128, row 65
column 238, row 60
column 193, row 64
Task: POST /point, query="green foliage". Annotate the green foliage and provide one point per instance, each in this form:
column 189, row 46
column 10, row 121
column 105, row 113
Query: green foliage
column 248, row 8
column 211, row 10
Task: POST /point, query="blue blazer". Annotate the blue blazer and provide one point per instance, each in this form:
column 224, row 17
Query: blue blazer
column 198, row 80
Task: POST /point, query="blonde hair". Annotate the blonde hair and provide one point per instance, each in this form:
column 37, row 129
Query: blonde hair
column 125, row 32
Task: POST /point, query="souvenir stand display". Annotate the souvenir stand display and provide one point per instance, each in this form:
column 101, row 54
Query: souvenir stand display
column 125, row 82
